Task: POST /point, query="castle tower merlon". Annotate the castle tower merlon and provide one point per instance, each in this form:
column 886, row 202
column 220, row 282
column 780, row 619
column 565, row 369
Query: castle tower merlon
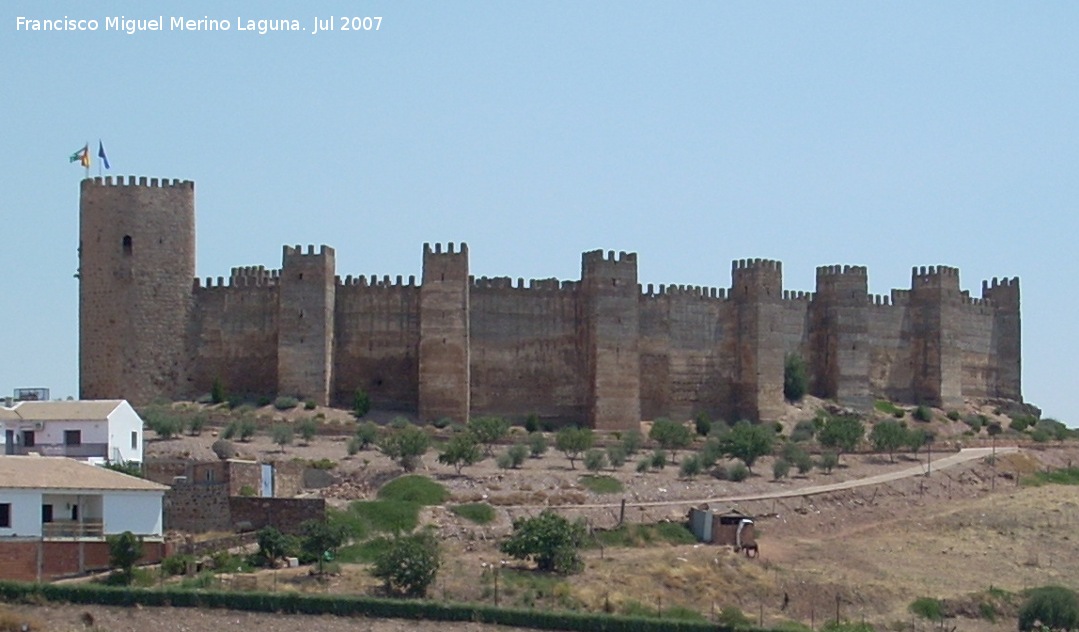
column 306, row 306
column 444, row 349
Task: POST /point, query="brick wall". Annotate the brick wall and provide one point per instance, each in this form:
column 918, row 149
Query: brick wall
column 284, row 514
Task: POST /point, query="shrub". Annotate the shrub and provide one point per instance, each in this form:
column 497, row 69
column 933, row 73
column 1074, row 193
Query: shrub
column 780, row 469
column 537, row 444
column 748, row 442
column 310, row 405
column 690, row 466
column 409, row 564
column 353, row 446
column 442, row 422
column 795, row 379
column 247, row 429
column 285, row 402
column 702, row 424
column 550, row 540
column 842, row 433
column 217, row 391
column 976, row 422
column 274, row 545
column 308, row 429
column 644, row 465
column 263, row 400
column 631, row 442
column 595, row 460
column 322, row 464
column 953, row 415
column 710, row 453
column 406, row 446
column 176, row 564
column 460, row 451
column 927, row 608
column 231, row 430
column 1019, row 423
column 196, row 425
column 888, row 436
column 922, row 413
column 827, row 462
column 532, row 423
column 367, row 434
column 281, row 435
column 738, row 472
column 616, row 456
column 1055, row 606
column 361, row 403
column 517, row 452
column 659, row 459
column 504, row 461
column 889, row 408
column 124, row 550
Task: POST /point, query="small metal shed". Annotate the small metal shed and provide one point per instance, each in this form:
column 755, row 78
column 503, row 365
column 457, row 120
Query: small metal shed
column 732, row 528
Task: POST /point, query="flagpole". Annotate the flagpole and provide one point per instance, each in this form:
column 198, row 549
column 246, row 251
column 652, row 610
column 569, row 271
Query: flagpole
column 87, row 159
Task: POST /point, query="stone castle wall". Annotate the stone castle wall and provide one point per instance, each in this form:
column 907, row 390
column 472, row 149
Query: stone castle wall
column 601, row 350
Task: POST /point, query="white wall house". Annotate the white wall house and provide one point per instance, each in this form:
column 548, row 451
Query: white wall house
column 95, row 430
column 56, row 497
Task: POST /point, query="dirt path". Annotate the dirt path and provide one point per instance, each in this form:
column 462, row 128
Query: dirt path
column 964, row 455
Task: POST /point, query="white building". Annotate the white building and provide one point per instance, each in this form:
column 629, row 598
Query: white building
column 94, row 430
column 55, row 515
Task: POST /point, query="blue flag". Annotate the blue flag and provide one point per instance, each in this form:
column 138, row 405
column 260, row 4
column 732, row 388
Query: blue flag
column 101, row 154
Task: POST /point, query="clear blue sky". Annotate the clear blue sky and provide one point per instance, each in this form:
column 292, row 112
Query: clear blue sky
column 875, row 133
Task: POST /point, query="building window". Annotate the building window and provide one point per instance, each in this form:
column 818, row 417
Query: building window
column 46, row 513
column 73, row 437
column 5, row 515
column 127, row 245
column 27, row 438
column 134, row 440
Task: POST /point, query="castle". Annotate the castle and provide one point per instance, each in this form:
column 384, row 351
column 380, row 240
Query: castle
column 601, row 351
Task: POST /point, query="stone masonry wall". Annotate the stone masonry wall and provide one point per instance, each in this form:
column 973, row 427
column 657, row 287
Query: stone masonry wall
column 602, row 351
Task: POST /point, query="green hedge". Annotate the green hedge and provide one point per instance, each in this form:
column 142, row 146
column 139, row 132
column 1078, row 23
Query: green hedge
column 346, row 605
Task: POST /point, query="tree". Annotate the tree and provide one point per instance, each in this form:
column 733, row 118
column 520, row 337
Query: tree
column 595, row 460
column 517, row 454
column 917, row 438
column 125, row 550
column 273, row 545
column 320, row 539
column 780, row 469
column 361, row 403
column 308, row 429
column 573, row 441
column 1056, row 607
column 550, row 540
column 461, row 450
column 488, row 431
column 748, row 442
column 406, row 446
column 670, row 435
column 537, row 444
column 282, row 435
column 197, row 423
column 888, row 436
column 409, row 564
column 795, row 380
column 841, row 432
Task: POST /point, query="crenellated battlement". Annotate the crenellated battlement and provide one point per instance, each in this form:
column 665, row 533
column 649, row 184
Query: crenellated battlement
column 297, row 251
column 137, row 181
column 797, row 295
column 756, row 278
column 882, row 300
column 599, row 256
column 427, row 250
column 941, row 277
column 1002, row 292
column 841, row 270
column 679, row 290
column 362, row 281
column 756, row 264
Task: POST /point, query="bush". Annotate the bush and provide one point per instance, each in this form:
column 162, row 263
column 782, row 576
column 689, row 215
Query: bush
column 361, row 403
column 367, row 434
column 827, row 462
column 670, row 435
column 488, row 431
column 196, row 425
column 953, row 415
column 631, row 442
column 702, row 424
column 690, row 466
column 644, row 465
column 460, row 451
column 409, row 564
column 281, row 435
column 406, row 446
column 532, row 423
column 550, row 540
column 1056, row 607
column 1019, row 423
column 176, row 564
column 217, row 391
column 308, row 429
column 710, row 453
column 537, row 445
column 616, row 456
column 922, row 413
column 737, row 472
column 503, row 461
column 124, row 550
column 804, row 430
column 780, row 469
column 659, row 459
column 595, row 460
column 795, row 380
column 927, row 608
column 976, row 422
column 285, row 402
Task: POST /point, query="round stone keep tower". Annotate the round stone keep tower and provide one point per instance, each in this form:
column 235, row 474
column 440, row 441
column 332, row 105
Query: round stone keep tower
column 136, row 269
